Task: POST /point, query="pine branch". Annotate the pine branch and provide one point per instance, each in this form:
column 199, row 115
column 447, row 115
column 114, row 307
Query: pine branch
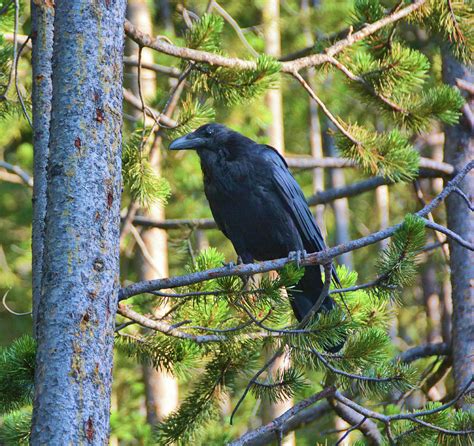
column 173, row 330
column 15, row 428
column 296, row 65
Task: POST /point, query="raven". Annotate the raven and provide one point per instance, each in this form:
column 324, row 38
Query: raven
column 258, row 204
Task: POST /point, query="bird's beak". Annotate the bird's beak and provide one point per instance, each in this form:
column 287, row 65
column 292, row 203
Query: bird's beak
column 189, row 141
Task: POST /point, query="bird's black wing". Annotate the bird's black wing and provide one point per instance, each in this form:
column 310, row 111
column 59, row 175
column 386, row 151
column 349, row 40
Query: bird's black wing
column 294, row 199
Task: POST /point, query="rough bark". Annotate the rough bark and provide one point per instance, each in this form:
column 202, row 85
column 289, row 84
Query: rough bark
column 42, row 21
column 80, row 279
column 458, row 151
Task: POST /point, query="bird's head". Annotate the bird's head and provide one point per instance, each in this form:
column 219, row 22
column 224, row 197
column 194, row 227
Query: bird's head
column 205, row 137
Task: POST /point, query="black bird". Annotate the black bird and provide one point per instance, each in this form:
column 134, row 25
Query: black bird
column 258, row 204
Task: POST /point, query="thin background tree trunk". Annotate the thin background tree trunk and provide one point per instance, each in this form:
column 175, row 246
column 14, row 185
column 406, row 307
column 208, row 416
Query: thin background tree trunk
column 271, row 20
column 315, row 137
column 161, row 389
column 80, row 280
column 42, row 18
column 458, row 151
column 340, row 206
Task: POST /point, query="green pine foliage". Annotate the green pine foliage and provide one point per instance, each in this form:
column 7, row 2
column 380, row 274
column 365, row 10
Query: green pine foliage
column 139, row 177
column 232, row 86
column 393, row 78
column 192, row 114
column 224, row 84
column 166, row 353
column 286, row 384
column 388, row 154
column 201, row 406
column 407, row 432
column 17, row 374
column 17, row 369
column 397, row 264
column 395, row 84
column 453, row 21
column 15, row 428
column 205, row 34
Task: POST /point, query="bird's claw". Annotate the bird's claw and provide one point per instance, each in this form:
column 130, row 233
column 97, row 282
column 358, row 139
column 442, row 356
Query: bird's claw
column 231, row 265
column 297, row 256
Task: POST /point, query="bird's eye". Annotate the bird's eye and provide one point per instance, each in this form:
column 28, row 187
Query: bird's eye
column 209, row 131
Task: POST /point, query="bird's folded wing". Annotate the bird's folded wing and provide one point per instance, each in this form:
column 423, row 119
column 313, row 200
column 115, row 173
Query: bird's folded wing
column 293, row 197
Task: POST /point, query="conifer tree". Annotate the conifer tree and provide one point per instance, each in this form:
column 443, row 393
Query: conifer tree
column 219, row 320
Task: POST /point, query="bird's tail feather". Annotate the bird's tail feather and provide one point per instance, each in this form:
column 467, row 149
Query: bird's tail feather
column 305, row 295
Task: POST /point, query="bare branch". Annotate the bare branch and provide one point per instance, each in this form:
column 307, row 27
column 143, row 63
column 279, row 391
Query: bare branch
column 323, row 107
column 351, row 375
column 350, row 190
column 196, row 223
column 366, row 426
column 26, row 178
column 362, row 286
column 423, row 351
column 160, row 118
column 466, row 199
column 305, row 162
column 282, row 424
column 452, row 235
column 463, row 84
column 412, row 416
column 17, row 88
column 172, row 330
column 229, row 19
column 163, row 69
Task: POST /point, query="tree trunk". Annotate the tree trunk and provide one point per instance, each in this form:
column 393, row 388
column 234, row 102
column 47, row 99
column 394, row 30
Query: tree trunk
column 138, row 13
column 271, row 20
column 458, row 151
column 340, row 206
column 80, row 279
column 161, row 389
column 432, row 302
column 315, row 138
column 42, row 18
